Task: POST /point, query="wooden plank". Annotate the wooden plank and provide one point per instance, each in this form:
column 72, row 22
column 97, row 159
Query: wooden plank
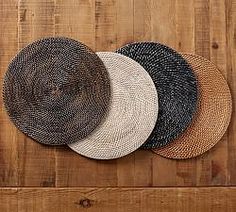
column 135, row 163
column 211, row 43
column 106, row 25
column 142, row 20
column 8, row 200
column 164, row 171
column 99, row 34
column 74, row 170
column 163, row 30
column 186, row 172
column 231, row 76
column 217, row 47
column 8, row 140
column 106, row 40
column 184, row 18
column 202, row 32
column 126, row 165
column 163, row 22
column 75, row 19
column 125, row 21
column 36, row 162
column 36, row 20
column 142, row 170
column 215, row 199
column 202, row 47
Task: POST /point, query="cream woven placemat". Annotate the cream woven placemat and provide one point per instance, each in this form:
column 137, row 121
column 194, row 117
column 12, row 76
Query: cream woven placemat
column 132, row 114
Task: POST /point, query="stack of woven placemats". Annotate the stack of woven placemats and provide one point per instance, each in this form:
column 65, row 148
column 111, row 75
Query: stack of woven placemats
column 106, row 105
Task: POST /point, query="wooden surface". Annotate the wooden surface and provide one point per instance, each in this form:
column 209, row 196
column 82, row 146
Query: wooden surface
column 118, row 199
column 141, row 181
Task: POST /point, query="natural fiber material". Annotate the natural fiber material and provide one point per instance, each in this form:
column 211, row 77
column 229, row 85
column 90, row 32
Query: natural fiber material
column 132, row 114
column 56, row 90
column 212, row 117
column 176, row 86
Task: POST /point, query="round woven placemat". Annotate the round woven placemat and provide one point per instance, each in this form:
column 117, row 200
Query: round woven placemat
column 132, row 114
column 212, row 117
column 176, row 86
column 56, row 90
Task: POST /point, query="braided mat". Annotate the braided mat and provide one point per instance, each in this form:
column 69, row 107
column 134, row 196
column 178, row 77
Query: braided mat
column 132, row 114
column 176, row 86
column 56, row 90
column 212, row 117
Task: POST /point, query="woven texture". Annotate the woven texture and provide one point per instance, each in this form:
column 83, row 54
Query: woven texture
column 212, row 117
column 132, row 114
column 176, row 86
column 56, row 90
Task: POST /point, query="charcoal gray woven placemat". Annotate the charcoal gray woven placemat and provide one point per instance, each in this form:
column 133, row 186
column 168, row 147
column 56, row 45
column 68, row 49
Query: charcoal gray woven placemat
column 176, row 86
column 56, row 90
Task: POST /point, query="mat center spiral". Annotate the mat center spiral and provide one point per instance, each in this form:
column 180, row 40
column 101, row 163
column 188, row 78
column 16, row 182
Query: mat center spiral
column 56, row 91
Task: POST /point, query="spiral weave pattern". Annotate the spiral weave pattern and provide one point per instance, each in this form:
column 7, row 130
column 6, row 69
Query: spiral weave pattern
column 56, row 90
column 176, row 86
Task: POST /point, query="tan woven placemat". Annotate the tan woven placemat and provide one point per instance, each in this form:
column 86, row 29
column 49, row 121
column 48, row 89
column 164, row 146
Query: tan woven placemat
column 132, row 114
column 212, row 117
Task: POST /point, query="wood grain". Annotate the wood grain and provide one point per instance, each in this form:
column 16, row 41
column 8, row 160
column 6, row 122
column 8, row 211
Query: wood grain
column 79, row 24
column 231, row 76
column 166, row 34
column 217, row 48
column 75, row 19
column 8, row 139
column 205, row 27
column 118, row 199
column 8, row 200
column 36, row 162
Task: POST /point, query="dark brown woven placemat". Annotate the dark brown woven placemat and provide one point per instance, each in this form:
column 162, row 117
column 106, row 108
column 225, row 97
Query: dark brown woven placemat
column 176, row 87
column 56, row 90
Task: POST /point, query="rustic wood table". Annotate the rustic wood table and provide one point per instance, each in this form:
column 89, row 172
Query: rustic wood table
column 35, row 177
